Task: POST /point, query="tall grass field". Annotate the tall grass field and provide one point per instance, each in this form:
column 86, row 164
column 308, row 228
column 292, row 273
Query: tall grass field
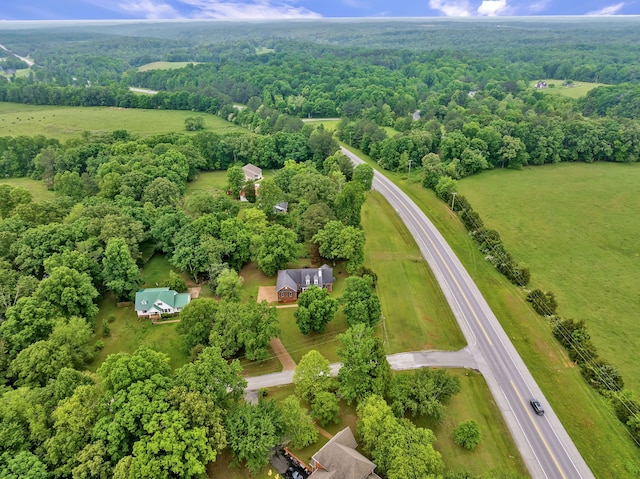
column 64, row 122
column 576, row 226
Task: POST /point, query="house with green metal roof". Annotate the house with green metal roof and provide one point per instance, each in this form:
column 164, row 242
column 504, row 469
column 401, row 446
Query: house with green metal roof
column 152, row 302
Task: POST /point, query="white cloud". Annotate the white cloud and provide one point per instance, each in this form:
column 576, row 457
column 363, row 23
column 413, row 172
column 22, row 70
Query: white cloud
column 250, row 10
column 217, row 9
column 492, row 7
column 539, row 6
column 356, row 4
column 451, row 8
column 609, row 10
column 149, row 9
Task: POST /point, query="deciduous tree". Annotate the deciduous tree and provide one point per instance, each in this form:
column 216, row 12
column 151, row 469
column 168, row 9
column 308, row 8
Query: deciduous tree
column 312, row 376
column 119, row 270
column 467, row 434
column 316, row 308
column 360, row 301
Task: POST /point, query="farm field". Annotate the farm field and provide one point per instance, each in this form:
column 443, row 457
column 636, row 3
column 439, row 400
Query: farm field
column 580, row 241
column 602, row 440
column 64, row 122
column 164, row 66
column 417, row 315
column 38, row 189
column 579, row 89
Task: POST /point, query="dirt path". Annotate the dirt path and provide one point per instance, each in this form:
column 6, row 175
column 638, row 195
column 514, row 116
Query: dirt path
column 288, row 364
column 323, row 432
column 195, row 292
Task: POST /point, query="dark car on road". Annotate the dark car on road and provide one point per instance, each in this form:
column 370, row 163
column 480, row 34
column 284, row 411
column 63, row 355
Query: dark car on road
column 537, row 407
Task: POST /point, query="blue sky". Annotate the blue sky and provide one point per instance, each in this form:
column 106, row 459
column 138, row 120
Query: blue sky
column 278, row 9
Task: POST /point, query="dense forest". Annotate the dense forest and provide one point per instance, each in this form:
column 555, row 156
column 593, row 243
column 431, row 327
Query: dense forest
column 446, row 98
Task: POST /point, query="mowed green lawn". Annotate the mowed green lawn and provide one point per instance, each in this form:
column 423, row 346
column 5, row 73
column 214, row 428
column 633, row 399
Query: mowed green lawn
column 577, row 227
column 496, row 452
column 164, row 66
column 601, row 439
column 128, row 333
column 37, row 188
column 579, row 89
column 417, row 315
column 64, row 122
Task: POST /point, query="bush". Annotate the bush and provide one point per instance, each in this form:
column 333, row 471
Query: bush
column 325, row 408
column 99, row 345
column 467, row 435
column 111, row 318
column 106, row 330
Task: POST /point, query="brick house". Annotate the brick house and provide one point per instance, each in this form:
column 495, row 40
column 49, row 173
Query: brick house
column 292, row 282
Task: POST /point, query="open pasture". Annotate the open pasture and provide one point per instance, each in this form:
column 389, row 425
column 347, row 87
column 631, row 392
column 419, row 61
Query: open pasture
column 573, row 90
column 64, row 122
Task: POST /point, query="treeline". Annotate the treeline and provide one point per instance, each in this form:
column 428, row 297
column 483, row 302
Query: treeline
column 486, row 133
column 613, row 101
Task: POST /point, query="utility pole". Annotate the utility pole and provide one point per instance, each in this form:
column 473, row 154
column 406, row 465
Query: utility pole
column 409, row 175
column 453, row 199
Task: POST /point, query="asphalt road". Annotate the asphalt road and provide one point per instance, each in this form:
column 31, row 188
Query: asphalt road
column 543, row 442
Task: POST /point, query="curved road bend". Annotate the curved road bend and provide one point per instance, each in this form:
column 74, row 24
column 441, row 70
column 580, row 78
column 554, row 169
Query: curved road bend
column 544, row 444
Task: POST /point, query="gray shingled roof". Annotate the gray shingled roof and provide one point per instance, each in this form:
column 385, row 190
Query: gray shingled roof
column 296, row 279
column 340, row 459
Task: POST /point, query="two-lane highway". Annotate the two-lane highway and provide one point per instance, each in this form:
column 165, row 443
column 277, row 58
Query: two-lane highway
column 543, row 442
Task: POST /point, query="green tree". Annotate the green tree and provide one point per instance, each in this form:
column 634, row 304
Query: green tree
column 250, row 193
column 228, row 386
column 119, row 270
column 229, row 284
column 23, row 465
column 196, row 321
column 424, row 393
column 194, row 123
column 68, row 183
column 325, row 408
column 467, row 434
column 399, row 448
column 360, row 302
column 270, row 195
column 363, row 175
column 312, row 376
column 69, row 292
column 349, row 203
column 252, row 432
column 336, row 241
column 445, row 188
column 316, row 308
column 365, row 369
column 162, row 192
column 93, row 462
column 277, row 247
column 314, row 218
column 235, row 179
column 175, row 282
column 298, row 425
column 171, row 448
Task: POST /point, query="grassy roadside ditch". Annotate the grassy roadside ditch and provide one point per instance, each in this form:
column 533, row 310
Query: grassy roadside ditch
column 601, row 439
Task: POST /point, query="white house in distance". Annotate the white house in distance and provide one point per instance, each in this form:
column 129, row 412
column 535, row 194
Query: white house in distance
column 252, row 172
column 153, row 302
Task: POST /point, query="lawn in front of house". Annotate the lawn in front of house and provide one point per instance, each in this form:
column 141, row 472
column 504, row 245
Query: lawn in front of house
column 128, row 333
column 416, row 314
